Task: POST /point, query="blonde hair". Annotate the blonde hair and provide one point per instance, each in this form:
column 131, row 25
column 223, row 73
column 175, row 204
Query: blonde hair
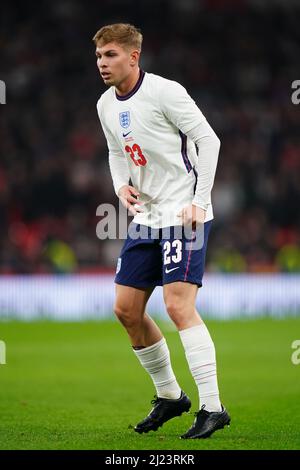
column 123, row 34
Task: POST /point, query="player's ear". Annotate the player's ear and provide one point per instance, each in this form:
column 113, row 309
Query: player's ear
column 134, row 57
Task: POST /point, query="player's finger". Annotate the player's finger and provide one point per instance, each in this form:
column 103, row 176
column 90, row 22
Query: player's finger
column 131, row 209
column 187, row 220
column 184, row 216
column 133, row 200
column 124, row 202
column 134, row 191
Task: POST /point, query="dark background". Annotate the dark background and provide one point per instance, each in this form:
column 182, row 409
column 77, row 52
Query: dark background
column 237, row 59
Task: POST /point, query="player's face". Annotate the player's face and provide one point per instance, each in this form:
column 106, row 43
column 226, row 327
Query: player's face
column 114, row 63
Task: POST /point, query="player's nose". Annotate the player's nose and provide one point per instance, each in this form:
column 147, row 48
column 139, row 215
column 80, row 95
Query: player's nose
column 102, row 61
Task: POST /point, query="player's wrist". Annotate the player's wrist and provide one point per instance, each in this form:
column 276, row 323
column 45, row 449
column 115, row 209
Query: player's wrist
column 201, row 205
column 121, row 188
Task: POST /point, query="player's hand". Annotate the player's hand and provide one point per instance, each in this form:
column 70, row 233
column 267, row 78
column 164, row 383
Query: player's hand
column 192, row 216
column 128, row 195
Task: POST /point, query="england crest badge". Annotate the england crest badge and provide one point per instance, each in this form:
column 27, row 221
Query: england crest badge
column 125, row 119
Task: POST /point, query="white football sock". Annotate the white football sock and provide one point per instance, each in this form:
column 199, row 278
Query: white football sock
column 201, row 357
column 156, row 360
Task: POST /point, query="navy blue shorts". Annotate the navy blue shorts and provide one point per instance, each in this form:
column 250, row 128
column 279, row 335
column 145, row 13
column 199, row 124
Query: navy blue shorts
column 154, row 257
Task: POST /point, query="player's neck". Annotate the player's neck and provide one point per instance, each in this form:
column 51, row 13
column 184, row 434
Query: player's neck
column 127, row 85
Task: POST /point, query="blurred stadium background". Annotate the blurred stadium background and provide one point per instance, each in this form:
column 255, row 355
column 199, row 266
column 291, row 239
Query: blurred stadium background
column 237, row 58
column 63, row 382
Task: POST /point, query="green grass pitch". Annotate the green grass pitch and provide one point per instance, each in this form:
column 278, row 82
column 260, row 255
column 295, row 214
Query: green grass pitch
column 79, row 386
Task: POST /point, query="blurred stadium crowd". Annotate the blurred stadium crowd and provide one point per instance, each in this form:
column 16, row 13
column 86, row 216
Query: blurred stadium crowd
column 236, row 58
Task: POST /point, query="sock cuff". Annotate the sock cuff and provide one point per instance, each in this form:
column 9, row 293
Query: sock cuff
column 195, row 337
column 197, row 329
column 152, row 348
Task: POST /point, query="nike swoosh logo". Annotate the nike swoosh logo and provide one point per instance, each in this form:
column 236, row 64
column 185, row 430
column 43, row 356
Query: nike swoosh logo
column 125, row 135
column 167, row 271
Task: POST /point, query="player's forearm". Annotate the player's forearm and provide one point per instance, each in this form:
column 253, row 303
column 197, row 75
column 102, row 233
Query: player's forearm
column 119, row 172
column 208, row 151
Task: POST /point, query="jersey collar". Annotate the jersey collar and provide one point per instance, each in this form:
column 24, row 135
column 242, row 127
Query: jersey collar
column 134, row 89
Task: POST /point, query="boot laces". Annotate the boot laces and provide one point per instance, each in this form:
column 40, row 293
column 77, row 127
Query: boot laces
column 155, row 401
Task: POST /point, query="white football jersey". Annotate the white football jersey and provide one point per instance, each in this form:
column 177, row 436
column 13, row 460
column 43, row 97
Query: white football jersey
column 148, row 129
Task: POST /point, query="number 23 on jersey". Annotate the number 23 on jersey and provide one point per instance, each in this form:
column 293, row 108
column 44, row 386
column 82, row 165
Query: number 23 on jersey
column 136, row 155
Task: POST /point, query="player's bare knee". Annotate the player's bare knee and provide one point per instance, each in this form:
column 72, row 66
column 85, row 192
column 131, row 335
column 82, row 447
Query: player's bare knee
column 126, row 317
column 121, row 313
column 176, row 312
